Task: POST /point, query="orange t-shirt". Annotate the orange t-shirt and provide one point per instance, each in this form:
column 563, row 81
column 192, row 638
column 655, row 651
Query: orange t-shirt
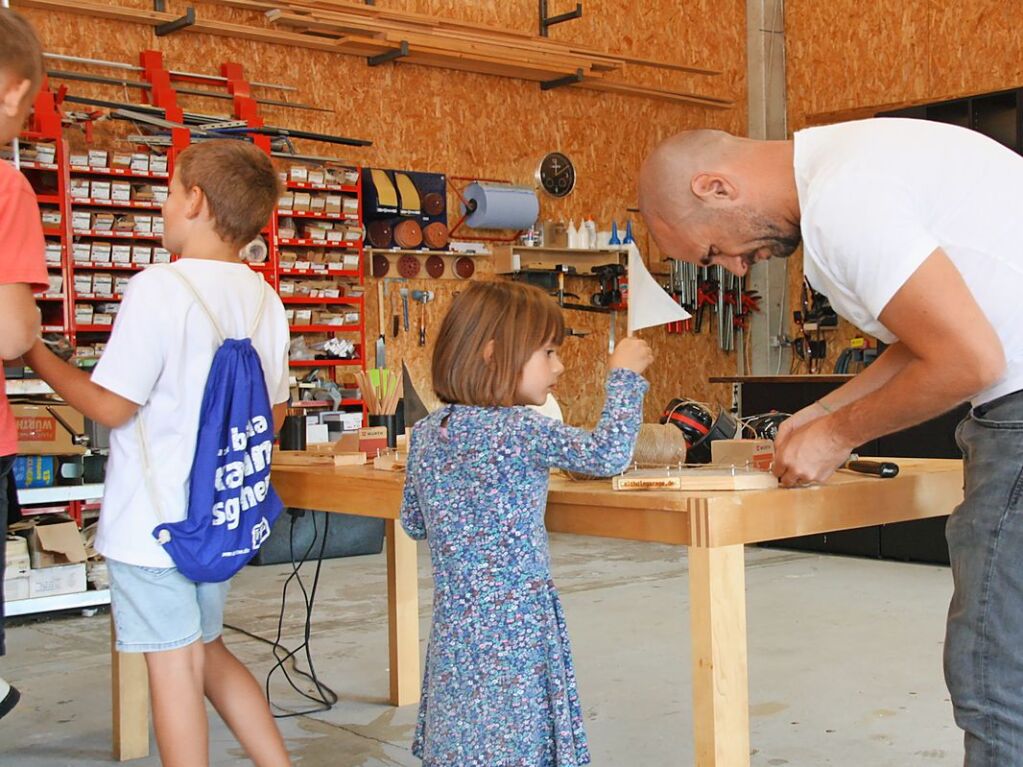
column 22, row 259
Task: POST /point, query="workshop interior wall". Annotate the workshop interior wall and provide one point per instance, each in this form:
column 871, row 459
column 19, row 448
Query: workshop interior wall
column 465, row 124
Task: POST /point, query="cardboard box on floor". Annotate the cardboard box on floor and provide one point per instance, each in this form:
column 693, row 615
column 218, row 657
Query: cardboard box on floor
column 52, row 544
column 39, row 432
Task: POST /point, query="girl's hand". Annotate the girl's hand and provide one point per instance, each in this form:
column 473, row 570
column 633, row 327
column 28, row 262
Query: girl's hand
column 632, row 354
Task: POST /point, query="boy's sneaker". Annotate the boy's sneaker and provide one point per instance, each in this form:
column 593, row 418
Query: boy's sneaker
column 9, row 700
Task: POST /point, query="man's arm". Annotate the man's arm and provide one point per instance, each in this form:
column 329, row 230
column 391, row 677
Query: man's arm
column 78, row 390
column 280, row 411
column 952, row 353
column 19, row 320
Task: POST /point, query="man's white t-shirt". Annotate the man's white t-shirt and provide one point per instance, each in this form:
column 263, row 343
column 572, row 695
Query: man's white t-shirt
column 877, row 197
column 158, row 356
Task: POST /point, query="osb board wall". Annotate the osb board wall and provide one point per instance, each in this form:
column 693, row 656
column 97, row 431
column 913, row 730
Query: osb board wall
column 847, row 54
column 473, row 125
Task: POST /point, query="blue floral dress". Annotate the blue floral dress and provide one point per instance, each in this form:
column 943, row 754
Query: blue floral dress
column 499, row 688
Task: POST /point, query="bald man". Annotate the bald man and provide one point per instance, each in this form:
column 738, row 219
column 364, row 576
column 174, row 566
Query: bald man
column 914, row 232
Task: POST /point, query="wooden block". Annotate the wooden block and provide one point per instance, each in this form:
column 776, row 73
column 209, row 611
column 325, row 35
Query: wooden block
column 316, row 458
column 695, row 479
column 390, row 462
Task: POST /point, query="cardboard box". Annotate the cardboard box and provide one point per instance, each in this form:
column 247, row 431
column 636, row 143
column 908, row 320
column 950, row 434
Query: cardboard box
column 157, row 224
column 50, row 218
column 315, row 176
column 83, row 283
column 120, row 284
column 103, row 284
column 303, row 316
column 158, row 164
column 120, row 160
column 103, row 222
column 143, row 224
column 102, row 318
column 97, row 158
column 100, row 190
column 55, row 543
column 81, row 219
column 754, row 453
column 285, row 201
column 332, row 203
column 120, row 191
column 366, row 440
column 79, row 188
column 83, row 314
column 51, row 581
column 16, row 559
column 120, row 254
column 101, row 252
column 317, row 204
column 140, row 162
column 56, row 285
column 39, row 433
column 160, row 193
column 302, row 201
column 124, row 222
column 46, row 153
column 298, row 173
column 79, row 159
column 82, row 252
column 141, row 254
column 53, row 252
column 161, row 256
column 16, row 588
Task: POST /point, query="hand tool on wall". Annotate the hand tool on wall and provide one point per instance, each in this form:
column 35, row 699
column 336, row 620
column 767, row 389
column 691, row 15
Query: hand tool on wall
column 404, row 307
column 380, row 354
column 423, row 297
column 394, row 315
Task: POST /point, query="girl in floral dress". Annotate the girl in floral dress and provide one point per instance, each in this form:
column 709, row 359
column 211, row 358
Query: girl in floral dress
column 499, row 688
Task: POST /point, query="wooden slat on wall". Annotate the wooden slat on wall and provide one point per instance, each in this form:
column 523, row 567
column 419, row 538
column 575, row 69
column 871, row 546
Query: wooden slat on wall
column 467, row 124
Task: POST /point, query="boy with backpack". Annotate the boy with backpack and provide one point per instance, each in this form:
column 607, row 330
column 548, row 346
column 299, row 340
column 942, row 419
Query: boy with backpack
column 187, row 499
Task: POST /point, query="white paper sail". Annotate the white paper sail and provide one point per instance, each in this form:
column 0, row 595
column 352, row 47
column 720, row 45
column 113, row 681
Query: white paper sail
column 649, row 305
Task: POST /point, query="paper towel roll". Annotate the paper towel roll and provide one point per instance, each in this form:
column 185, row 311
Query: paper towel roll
column 499, row 206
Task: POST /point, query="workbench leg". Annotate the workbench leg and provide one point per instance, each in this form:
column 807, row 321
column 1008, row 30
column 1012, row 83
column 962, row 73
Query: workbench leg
column 403, row 615
column 717, row 595
column 130, row 702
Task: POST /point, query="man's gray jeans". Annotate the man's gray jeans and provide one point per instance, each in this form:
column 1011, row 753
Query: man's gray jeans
column 984, row 639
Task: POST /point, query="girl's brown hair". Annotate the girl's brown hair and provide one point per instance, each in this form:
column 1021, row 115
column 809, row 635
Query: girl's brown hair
column 518, row 318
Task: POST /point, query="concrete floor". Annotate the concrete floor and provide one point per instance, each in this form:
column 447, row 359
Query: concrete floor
column 845, row 664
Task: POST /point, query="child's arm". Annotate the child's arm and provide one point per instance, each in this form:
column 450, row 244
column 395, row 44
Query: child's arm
column 606, row 450
column 78, row 390
column 411, row 512
column 19, row 318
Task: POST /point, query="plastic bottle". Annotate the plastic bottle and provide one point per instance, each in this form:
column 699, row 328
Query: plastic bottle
column 628, row 233
column 573, row 234
column 589, row 231
column 614, row 234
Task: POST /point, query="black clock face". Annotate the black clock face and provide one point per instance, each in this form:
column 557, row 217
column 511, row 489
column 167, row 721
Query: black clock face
column 556, row 174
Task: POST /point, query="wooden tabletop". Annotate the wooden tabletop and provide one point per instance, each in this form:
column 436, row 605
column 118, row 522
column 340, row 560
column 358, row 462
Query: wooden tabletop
column 925, row 487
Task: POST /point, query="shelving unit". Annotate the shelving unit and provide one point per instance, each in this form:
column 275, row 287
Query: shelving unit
column 297, row 258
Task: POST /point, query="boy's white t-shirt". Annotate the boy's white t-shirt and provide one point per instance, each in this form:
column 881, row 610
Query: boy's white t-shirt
column 158, row 356
column 877, row 197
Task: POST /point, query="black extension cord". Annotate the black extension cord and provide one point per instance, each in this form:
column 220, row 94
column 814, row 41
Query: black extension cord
column 326, row 698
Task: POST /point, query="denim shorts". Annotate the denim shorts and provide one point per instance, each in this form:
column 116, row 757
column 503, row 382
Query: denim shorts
column 157, row 608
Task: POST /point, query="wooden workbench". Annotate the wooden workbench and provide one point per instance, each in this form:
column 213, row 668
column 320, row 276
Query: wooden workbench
column 715, row 526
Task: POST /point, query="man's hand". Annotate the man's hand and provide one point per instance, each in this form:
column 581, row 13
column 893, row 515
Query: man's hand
column 798, row 420
column 809, row 454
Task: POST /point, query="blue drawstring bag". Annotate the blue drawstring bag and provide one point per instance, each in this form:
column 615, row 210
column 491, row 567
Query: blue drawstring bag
column 231, row 504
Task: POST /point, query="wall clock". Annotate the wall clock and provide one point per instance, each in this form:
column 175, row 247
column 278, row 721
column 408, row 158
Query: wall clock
column 556, row 174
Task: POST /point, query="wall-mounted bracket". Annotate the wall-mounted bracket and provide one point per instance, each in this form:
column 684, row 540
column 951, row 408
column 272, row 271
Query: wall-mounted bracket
column 549, row 21
column 383, row 58
column 173, row 26
column 547, row 85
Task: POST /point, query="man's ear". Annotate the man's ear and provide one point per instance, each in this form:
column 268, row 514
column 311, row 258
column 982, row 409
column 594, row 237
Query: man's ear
column 713, row 187
column 488, row 351
column 14, row 94
column 195, row 202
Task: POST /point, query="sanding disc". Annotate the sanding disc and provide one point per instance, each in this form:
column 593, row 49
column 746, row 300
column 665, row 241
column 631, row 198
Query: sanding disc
column 408, row 234
column 379, row 234
column 381, row 266
column 433, row 203
column 464, row 267
column 436, row 235
column 408, row 266
column 435, row 266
